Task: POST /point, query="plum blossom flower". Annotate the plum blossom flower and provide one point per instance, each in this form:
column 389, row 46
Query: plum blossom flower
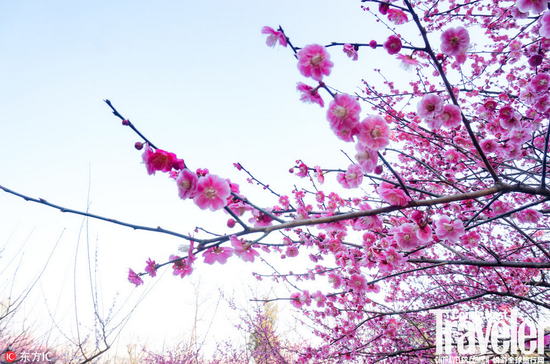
column 540, row 82
column 448, row 229
column 314, row 61
column 319, row 298
column 430, row 107
column 374, row 132
column 352, row 178
column 542, row 104
column 393, row 195
column 151, row 267
column 309, row 94
column 299, row 299
column 535, row 6
column 335, row 280
column 134, row 278
column 407, row 61
column 393, row 44
column 212, row 193
column 390, row 260
column 295, row 300
column 292, row 251
column 160, row 160
column 397, row 16
column 187, row 182
column 455, row 41
column 273, row 36
column 243, row 250
column 451, row 116
column 544, row 29
column 358, row 283
column 528, row 95
column 489, row 145
column 528, row 216
column 367, row 222
column 343, row 112
column 351, row 51
column 405, row 236
column 183, row 267
column 470, row 240
column 217, row 254
column 424, row 233
column 366, row 157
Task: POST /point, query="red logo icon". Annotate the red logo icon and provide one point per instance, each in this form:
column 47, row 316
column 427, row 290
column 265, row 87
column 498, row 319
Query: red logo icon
column 10, row 356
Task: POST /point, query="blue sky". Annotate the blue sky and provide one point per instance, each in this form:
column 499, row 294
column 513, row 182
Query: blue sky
column 197, row 79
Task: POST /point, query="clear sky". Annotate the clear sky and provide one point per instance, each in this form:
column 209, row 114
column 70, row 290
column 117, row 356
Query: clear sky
column 197, row 78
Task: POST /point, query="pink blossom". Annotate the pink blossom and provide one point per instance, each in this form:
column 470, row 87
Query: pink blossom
column 452, row 156
column 542, row 104
column 518, row 14
column 212, row 193
column 540, row 82
column 528, row 95
column 243, row 250
column 310, row 94
column 295, row 300
column 160, row 160
column 358, row 283
column 319, row 298
column 390, row 260
column 520, row 135
column 489, row 145
column 352, row 178
column 335, row 280
column 274, row 36
column 314, row 61
column 183, row 267
column 302, row 169
column 217, row 254
column 374, row 132
column 343, row 112
column 260, row 219
column 430, row 107
column 319, row 174
column 424, row 233
column 544, row 29
column 292, row 251
column 455, row 41
column 470, row 240
column 151, row 267
column 393, row 44
column 366, row 157
column 393, row 195
column 367, row 222
column 512, row 151
column 187, row 182
column 448, row 229
column 528, row 216
column 405, row 236
column 451, row 116
column 351, row 51
column 134, row 278
column 407, row 61
column 535, row 6
column 397, row 16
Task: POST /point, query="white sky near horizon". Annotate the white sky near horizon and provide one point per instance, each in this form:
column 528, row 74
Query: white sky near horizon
column 197, row 79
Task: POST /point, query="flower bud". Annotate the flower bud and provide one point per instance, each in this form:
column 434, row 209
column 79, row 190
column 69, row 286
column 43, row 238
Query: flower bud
column 125, row 122
column 138, row 145
column 378, row 169
column 231, row 223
